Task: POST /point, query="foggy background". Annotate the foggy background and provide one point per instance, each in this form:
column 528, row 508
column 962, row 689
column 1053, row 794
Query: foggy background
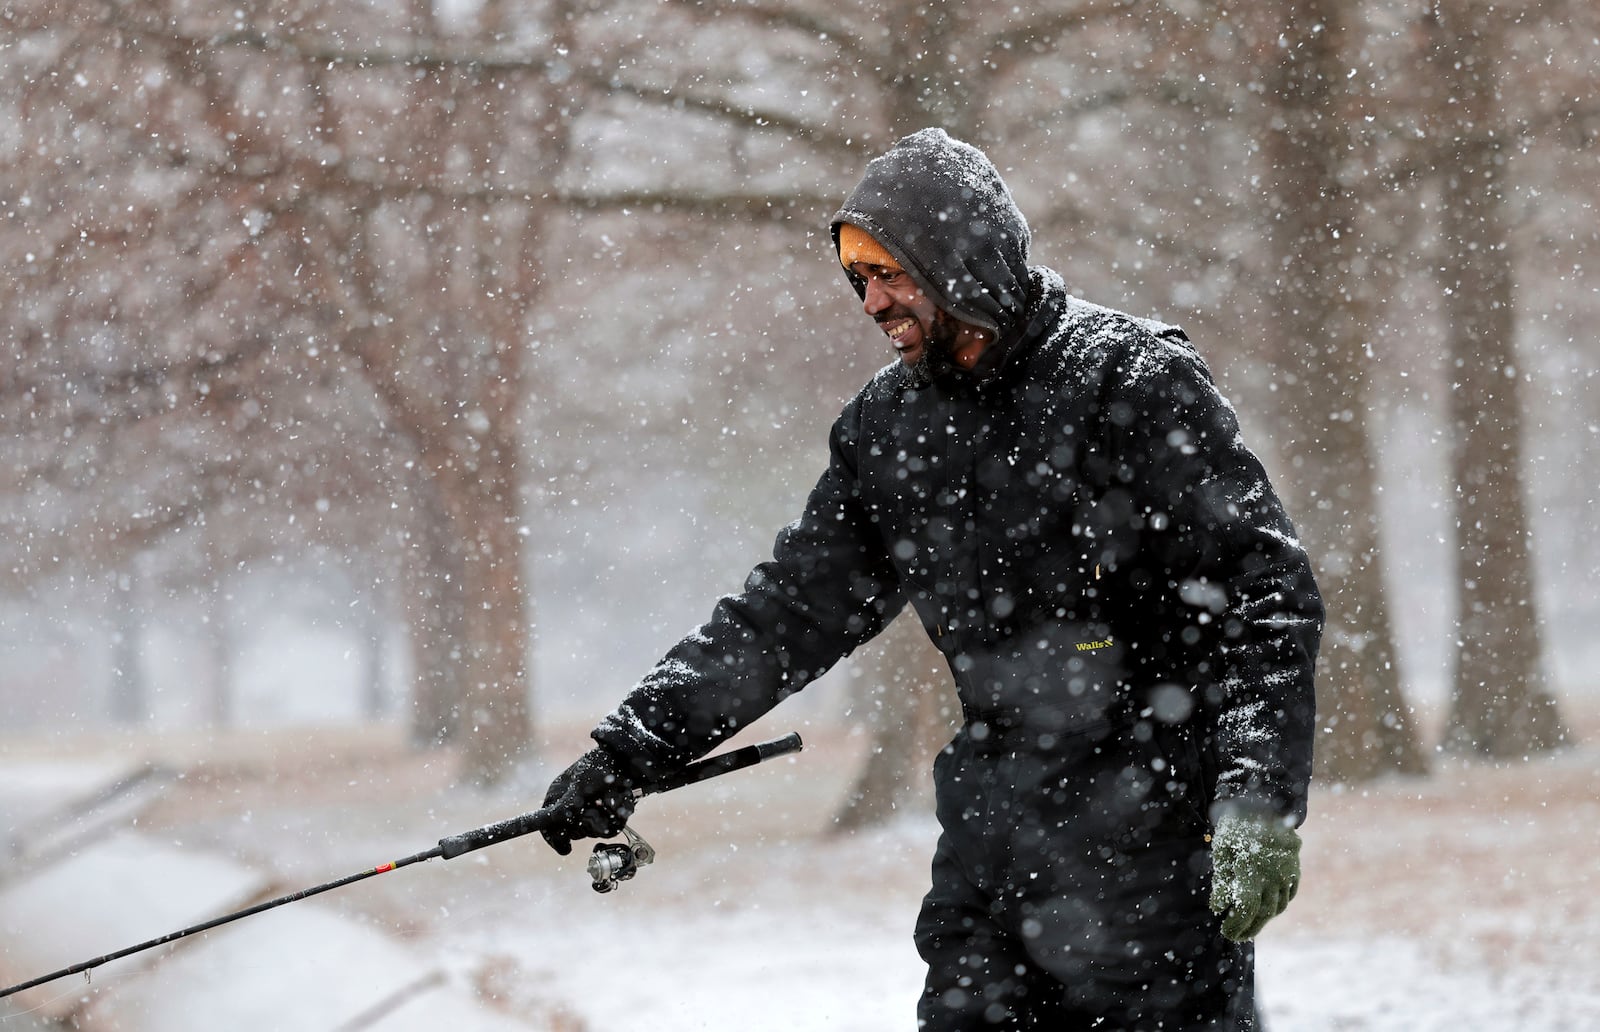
column 438, row 364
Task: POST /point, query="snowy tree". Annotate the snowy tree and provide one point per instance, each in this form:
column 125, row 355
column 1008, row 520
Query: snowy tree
column 261, row 187
column 1300, row 54
column 1501, row 706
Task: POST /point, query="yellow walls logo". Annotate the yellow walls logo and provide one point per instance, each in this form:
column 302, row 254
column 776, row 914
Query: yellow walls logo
column 1090, row 646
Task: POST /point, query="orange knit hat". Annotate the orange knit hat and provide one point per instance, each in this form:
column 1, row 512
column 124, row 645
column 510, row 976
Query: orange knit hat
column 857, row 245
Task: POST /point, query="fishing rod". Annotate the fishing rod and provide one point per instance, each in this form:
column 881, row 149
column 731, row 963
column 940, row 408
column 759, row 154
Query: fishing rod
column 609, row 864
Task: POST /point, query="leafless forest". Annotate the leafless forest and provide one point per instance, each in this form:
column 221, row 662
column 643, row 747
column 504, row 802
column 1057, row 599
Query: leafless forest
column 466, row 349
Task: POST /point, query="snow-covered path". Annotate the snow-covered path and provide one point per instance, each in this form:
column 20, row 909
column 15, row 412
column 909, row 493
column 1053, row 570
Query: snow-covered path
column 1467, row 900
column 810, row 953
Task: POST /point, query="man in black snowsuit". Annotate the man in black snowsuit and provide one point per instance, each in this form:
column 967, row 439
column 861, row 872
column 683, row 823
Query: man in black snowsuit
column 1063, row 496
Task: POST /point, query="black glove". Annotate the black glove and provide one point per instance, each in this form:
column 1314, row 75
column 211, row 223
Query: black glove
column 593, row 798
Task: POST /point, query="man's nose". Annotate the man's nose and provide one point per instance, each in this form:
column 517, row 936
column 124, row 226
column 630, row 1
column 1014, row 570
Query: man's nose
column 874, row 299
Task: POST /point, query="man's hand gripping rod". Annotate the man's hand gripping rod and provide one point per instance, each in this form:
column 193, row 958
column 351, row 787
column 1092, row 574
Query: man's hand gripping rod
column 610, row 863
column 614, row 862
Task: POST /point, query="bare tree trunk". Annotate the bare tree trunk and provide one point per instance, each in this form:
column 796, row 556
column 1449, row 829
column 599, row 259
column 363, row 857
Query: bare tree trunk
column 1365, row 727
column 498, row 724
column 221, row 705
column 1500, row 706
column 129, row 694
column 435, row 613
column 370, row 625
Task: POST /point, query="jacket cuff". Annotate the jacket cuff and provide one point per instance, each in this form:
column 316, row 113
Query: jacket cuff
column 642, row 751
column 1255, row 808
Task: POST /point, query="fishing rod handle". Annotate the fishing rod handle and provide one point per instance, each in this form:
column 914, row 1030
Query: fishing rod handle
column 714, row 766
column 453, row 846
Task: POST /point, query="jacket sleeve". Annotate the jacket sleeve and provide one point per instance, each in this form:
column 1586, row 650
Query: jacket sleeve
column 1228, row 578
column 828, row 588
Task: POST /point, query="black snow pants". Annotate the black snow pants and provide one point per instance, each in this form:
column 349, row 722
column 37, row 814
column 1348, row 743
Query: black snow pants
column 1070, row 891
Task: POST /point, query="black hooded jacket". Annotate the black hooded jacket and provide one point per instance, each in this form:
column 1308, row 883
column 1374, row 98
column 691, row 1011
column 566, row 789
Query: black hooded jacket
column 1078, row 525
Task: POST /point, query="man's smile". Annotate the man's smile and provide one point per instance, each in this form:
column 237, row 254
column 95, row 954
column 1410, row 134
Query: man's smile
column 897, row 328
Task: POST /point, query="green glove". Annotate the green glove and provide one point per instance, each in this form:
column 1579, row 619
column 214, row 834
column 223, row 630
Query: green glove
column 1255, row 872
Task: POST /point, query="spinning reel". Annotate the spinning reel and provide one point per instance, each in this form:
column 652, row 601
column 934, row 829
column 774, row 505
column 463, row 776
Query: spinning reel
column 614, row 862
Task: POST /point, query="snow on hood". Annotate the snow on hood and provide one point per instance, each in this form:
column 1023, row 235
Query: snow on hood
column 941, row 209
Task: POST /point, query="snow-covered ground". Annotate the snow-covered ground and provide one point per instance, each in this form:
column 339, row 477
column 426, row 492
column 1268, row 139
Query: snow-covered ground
column 1470, row 899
